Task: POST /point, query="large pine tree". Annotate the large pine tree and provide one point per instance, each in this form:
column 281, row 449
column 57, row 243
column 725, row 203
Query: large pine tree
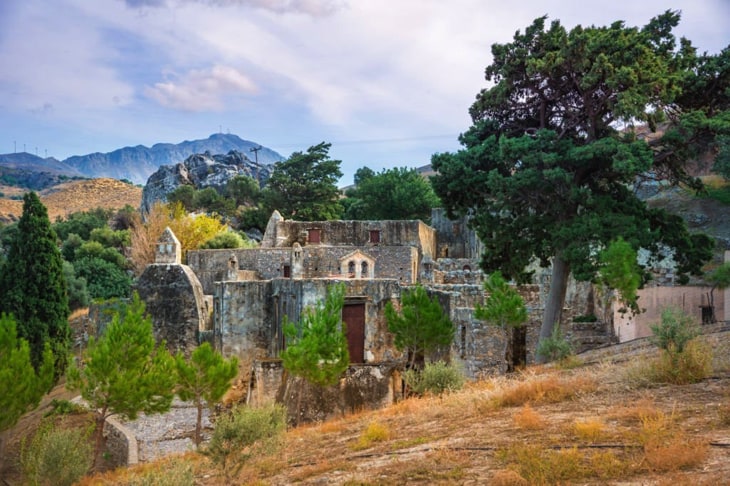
column 33, row 286
column 547, row 168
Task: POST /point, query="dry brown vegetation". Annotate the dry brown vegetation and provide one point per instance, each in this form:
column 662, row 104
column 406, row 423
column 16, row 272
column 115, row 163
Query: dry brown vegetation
column 591, row 425
column 74, row 196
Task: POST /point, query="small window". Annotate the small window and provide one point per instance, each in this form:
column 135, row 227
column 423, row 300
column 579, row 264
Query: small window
column 287, row 271
column 364, row 270
column 374, row 236
column 467, row 268
column 351, row 269
column 314, row 236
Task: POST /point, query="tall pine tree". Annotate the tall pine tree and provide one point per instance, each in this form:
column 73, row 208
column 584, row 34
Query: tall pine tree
column 33, row 286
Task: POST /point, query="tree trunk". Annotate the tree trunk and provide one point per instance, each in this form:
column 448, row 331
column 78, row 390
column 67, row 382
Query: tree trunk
column 198, row 423
column 99, row 438
column 555, row 301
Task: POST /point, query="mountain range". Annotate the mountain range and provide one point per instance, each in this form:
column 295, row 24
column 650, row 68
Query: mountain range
column 135, row 164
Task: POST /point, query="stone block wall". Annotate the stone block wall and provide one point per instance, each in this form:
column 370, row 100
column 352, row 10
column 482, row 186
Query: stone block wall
column 455, row 238
column 176, row 303
column 357, row 234
column 391, row 262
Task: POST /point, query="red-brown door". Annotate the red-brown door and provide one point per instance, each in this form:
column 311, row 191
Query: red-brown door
column 353, row 315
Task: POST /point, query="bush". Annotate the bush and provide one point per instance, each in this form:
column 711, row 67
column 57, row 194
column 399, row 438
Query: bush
column 554, row 348
column 244, row 433
column 229, row 239
column 692, row 365
column 56, row 456
column 675, row 330
column 435, row 378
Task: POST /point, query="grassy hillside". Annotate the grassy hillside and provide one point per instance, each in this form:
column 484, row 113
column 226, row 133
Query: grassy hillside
column 598, row 424
column 73, row 196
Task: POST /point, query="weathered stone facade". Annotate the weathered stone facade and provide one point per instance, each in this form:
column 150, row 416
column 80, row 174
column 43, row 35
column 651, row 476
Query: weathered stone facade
column 174, row 298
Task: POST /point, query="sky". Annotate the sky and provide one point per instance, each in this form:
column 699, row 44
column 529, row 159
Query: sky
column 387, row 82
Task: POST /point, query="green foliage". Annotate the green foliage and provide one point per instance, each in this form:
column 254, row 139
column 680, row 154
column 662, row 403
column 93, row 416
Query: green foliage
column 69, row 246
column 675, row 330
column 245, row 433
column 94, row 249
column 556, row 347
column 64, row 407
column 204, row 379
column 33, row 287
column 209, row 199
column 82, row 223
column 256, row 217
column 104, row 280
column 228, row 239
column 504, row 307
column 544, row 172
column 78, row 294
column 21, row 388
column 124, row 372
column 435, row 378
column 243, row 190
column 184, row 195
column 421, row 327
column 620, row 271
column 58, row 456
column 304, row 187
column 397, row 193
column 316, row 347
column 110, row 238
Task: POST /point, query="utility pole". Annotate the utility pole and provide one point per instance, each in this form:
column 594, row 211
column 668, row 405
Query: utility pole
column 255, row 151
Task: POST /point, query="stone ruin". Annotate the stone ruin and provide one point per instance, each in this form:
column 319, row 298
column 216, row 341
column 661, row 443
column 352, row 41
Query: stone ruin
column 239, row 299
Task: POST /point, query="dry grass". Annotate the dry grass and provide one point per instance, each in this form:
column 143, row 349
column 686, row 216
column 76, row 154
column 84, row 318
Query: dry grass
column 552, row 388
column 580, row 426
column 590, row 430
column 527, row 418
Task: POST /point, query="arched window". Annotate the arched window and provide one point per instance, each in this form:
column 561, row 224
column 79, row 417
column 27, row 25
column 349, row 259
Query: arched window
column 351, row 269
column 364, row 270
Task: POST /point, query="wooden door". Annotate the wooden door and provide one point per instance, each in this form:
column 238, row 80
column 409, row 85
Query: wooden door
column 353, row 315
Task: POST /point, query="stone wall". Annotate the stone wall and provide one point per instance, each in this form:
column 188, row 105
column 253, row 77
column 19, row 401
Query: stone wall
column 391, row 262
column 654, row 300
column 175, row 301
column 357, row 234
column 363, row 387
column 455, row 238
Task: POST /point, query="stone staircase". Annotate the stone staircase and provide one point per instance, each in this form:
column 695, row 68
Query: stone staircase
column 590, row 335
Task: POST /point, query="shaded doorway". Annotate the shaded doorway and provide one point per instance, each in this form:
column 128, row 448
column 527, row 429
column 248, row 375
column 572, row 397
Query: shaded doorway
column 353, row 315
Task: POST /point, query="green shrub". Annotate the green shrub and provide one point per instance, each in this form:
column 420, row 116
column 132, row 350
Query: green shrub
column 435, row 378
column 243, row 433
column 692, row 365
column 229, row 239
column 556, row 347
column 675, row 330
column 64, row 407
column 56, row 456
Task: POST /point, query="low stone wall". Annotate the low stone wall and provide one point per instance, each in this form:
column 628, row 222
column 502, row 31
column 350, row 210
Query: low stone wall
column 120, row 443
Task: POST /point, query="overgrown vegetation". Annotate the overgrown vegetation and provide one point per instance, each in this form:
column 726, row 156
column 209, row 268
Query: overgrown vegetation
column 56, row 455
column 243, row 433
column 435, row 378
column 316, row 346
column 420, row 327
column 124, row 372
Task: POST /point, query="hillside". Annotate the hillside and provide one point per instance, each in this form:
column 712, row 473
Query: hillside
column 73, row 196
column 593, row 425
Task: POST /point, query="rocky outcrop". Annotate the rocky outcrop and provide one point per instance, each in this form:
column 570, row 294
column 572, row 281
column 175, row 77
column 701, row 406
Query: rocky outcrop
column 201, row 171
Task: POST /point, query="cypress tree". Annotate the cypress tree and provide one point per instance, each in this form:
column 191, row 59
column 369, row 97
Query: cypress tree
column 33, row 286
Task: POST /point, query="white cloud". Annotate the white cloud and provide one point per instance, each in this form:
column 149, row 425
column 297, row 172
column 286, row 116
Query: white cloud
column 201, row 90
column 315, row 8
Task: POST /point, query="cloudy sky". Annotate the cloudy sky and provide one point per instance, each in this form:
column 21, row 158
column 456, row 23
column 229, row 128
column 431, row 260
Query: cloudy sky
column 386, row 82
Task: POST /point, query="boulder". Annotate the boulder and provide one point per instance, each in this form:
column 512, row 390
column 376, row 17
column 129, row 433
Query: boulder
column 201, row 171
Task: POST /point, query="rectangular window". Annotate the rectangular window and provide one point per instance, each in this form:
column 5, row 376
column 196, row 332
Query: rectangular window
column 314, row 236
column 374, row 236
